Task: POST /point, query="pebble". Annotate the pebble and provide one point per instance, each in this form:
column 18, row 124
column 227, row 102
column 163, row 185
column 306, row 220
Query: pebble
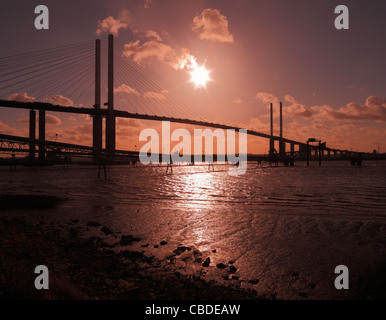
column 106, row 231
column 206, row 262
column 93, row 224
column 221, row 266
column 232, row 269
column 163, row 242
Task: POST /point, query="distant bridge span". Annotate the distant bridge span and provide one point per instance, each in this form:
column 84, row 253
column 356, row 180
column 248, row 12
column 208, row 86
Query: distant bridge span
column 125, row 114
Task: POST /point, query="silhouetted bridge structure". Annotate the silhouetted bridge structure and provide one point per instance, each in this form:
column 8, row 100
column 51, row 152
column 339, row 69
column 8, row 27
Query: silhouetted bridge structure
column 45, row 148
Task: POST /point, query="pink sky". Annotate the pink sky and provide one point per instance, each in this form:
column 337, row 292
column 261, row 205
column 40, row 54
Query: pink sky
column 332, row 83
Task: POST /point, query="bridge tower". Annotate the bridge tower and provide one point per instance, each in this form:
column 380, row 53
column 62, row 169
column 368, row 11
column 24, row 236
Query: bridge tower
column 271, row 141
column 281, row 141
column 97, row 120
column 42, row 134
column 110, row 118
column 32, row 134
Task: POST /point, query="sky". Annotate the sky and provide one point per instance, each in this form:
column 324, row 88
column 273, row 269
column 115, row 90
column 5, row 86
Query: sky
column 332, row 82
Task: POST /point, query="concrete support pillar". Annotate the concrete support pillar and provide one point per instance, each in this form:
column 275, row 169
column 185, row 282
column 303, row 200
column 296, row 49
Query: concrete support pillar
column 292, row 149
column 97, row 120
column 281, row 142
column 32, row 133
column 271, row 141
column 282, row 150
column 42, row 134
column 110, row 118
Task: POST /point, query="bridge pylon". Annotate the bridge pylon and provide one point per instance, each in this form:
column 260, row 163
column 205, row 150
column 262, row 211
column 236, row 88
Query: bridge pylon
column 110, row 117
column 97, row 118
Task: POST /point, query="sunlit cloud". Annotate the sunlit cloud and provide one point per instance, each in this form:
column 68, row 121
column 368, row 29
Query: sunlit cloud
column 162, row 52
column 266, row 97
column 147, row 4
column 60, row 100
column 113, row 25
column 212, row 26
column 374, row 109
column 21, row 97
column 154, row 95
column 124, row 88
column 148, row 34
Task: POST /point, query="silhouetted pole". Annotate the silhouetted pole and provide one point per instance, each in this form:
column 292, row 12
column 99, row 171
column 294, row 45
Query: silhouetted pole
column 320, row 154
column 271, row 141
column 110, row 118
column 42, row 133
column 281, row 142
column 292, row 149
column 308, row 154
column 97, row 120
column 32, row 134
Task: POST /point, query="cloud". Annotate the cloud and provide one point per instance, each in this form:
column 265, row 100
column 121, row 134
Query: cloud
column 61, row 101
column 374, row 109
column 151, row 34
column 112, row 25
column 155, row 95
column 161, row 52
column 53, row 120
column 147, row 4
column 212, row 26
column 296, row 108
column 124, row 122
column 148, row 34
column 266, row 97
column 50, row 120
column 124, row 88
column 21, row 97
column 7, row 129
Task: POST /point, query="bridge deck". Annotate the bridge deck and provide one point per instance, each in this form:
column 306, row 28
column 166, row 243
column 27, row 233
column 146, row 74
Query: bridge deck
column 125, row 114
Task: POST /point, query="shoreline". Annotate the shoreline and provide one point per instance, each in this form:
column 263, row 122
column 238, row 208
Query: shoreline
column 88, row 269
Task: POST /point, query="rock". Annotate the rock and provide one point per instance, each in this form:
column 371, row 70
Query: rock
column 93, row 224
column 197, row 253
column 206, row 262
column 235, row 278
column 256, row 281
column 198, row 260
column 181, row 250
column 232, row 269
column 134, row 255
column 75, row 221
column 231, row 262
column 108, row 252
column 73, row 232
column 221, row 266
column 214, row 250
column 163, row 242
column 127, row 240
column 106, row 231
column 145, row 245
column 156, row 246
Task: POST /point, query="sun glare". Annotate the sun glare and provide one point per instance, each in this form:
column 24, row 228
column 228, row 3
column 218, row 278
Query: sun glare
column 199, row 76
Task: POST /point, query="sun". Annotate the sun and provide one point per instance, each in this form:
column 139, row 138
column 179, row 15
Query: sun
column 200, row 76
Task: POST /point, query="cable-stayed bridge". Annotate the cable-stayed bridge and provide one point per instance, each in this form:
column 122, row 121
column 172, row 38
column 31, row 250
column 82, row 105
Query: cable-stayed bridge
column 68, row 79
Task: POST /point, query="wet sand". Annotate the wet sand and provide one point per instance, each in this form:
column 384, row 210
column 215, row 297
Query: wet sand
column 93, row 262
column 89, row 268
